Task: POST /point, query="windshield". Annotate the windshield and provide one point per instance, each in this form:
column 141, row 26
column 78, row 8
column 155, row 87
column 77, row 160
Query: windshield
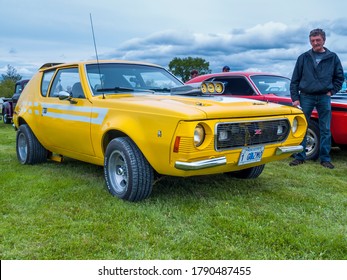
column 268, row 84
column 110, row 78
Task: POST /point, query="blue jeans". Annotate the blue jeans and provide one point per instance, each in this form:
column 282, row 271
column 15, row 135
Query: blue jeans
column 323, row 107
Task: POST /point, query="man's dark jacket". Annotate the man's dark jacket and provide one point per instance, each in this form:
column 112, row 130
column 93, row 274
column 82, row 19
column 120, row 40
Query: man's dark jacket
column 310, row 78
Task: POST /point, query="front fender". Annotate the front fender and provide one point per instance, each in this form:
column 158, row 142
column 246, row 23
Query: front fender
column 152, row 135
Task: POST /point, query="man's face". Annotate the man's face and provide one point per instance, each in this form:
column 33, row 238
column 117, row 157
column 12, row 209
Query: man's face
column 317, row 43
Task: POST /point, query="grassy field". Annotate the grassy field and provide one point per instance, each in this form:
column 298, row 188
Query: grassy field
column 63, row 211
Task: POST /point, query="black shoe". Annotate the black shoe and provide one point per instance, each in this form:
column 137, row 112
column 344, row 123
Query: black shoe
column 327, row 164
column 296, row 162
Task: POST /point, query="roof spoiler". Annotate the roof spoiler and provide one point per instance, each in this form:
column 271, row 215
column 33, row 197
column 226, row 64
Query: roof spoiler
column 50, row 64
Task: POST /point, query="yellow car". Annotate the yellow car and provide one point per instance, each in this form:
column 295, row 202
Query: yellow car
column 140, row 122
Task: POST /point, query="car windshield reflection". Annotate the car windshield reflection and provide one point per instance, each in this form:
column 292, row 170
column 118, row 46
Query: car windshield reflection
column 267, row 84
column 114, row 78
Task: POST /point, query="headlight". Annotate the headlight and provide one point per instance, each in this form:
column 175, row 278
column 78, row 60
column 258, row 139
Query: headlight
column 203, row 88
column 219, row 87
column 199, row 135
column 295, row 125
column 212, row 87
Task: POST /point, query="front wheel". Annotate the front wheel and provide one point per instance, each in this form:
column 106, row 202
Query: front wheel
column 29, row 149
column 128, row 174
column 248, row 173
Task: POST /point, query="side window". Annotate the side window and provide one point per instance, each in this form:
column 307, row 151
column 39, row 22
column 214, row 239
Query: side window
column 67, row 80
column 46, row 79
column 18, row 88
column 239, row 86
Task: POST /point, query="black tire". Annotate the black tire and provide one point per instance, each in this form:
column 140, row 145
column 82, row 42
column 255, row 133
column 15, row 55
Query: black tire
column 343, row 147
column 128, row 174
column 6, row 119
column 312, row 141
column 29, row 149
column 248, row 173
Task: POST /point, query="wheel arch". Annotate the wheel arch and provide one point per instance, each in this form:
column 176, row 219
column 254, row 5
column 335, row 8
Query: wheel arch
column 152, row 136
column 109, row 136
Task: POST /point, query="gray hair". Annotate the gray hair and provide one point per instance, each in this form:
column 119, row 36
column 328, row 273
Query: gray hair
column 317, row 32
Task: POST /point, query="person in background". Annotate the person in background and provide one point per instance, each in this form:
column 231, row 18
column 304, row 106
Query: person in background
column 226, row 68
column 194, row 73
column 317, row 75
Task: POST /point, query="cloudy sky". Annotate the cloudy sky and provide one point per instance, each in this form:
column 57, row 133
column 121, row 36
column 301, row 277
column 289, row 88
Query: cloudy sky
column 264, row 35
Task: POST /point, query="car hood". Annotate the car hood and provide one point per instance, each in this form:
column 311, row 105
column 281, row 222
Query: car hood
column 199, row 107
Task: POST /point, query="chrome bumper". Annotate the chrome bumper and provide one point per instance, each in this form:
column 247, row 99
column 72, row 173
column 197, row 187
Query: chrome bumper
column 289, row 150
column 201, row 164
column 196, row 165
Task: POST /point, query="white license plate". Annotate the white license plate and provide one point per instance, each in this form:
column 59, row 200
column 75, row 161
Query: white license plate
column 250, row 155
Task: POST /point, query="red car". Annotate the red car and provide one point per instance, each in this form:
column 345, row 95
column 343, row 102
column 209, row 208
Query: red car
column 275, row 88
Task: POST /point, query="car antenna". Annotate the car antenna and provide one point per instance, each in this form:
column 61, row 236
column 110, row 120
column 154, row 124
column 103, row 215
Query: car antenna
column 96, row 52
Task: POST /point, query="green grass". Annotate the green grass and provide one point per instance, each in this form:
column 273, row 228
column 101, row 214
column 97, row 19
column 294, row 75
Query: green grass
column 63, row 211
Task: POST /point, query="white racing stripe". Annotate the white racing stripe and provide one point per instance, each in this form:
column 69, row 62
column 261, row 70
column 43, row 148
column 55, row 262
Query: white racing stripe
column 93, row 115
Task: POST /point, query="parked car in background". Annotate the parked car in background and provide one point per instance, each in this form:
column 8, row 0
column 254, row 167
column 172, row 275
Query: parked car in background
column 127, row 117
column 275, row 88
column 7, row 107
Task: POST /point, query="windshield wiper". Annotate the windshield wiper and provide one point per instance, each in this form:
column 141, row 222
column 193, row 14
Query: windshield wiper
column 123, row 89
column 115, row 89
column 160, row 89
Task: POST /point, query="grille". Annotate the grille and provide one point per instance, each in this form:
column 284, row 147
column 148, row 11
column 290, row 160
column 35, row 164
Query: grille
column 239, row 134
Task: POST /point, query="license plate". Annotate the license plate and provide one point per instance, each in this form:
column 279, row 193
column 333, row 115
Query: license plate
column 250, row 155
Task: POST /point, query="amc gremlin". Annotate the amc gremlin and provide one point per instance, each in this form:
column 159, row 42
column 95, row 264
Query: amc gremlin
column 140, row 122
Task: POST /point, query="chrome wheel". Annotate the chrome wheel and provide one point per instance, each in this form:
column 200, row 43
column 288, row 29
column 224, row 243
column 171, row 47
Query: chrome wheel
column 312, row 141
column 22, row 148
column 118, row 172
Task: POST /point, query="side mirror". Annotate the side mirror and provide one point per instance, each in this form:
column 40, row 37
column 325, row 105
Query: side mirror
column 64, row 95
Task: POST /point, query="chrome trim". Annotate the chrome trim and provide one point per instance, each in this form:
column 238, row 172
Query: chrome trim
column 196, row 165
column 289, row 150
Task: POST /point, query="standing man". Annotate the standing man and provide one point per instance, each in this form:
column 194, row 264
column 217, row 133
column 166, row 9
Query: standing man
column 318, row 74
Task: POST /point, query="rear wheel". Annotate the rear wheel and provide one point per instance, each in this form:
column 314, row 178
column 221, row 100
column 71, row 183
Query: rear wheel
column 128, row 174
column 29, row 149
column 6, row 119
column 312, row 141
column 248, row 173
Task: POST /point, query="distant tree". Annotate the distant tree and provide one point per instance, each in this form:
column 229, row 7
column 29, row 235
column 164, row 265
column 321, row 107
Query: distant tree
column 11, row 74
column 182, row 67
column 7, row 88
column 8, row 81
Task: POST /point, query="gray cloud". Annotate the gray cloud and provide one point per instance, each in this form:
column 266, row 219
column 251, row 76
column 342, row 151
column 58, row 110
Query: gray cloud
column 270, row 47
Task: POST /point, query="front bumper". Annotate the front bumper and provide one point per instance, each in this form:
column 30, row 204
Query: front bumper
column 207, row 163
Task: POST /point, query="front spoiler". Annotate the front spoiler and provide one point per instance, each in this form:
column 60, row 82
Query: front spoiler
column 207, row 163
